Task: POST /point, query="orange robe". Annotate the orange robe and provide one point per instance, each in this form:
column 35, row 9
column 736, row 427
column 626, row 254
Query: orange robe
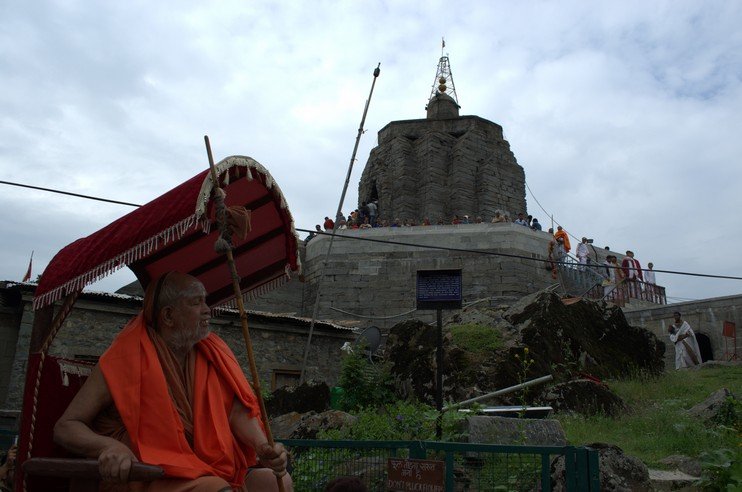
column 565, row 237
column 191, row 438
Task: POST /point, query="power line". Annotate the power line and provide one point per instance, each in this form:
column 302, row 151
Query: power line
column 507, row 255
column 89, row 197
column 384, row 241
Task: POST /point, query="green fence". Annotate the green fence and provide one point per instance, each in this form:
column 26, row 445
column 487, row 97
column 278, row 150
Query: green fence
column 468, row 467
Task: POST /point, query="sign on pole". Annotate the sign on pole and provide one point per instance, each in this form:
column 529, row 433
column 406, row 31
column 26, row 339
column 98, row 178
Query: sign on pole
column 439, row 289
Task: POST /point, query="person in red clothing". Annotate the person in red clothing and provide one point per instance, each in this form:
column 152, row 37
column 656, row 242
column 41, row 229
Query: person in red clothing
column 632, row 272
column 329, row 224
column 170, row 393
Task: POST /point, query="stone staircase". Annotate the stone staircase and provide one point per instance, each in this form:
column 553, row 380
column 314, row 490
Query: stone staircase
column 577, row 279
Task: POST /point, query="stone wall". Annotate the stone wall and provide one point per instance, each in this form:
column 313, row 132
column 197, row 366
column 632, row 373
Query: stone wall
column 378, row 280
column 9, row 320
column 706, row 317
column 278, row 341
column 438, row 168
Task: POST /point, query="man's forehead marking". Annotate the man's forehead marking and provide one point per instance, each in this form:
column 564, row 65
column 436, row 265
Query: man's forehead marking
column 194, row 289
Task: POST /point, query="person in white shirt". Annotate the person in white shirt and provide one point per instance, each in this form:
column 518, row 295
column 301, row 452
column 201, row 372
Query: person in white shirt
column 521, row 221
column 651, row 282
column 582, row 253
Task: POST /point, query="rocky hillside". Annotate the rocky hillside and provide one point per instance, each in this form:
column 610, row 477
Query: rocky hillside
column 540, row 334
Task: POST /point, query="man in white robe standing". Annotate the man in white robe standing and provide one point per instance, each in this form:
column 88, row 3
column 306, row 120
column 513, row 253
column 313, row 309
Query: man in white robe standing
column 582, row 253
column 650, row 283
column 687, row 353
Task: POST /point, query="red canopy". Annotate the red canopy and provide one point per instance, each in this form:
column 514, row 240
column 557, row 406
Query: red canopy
column 177, row 232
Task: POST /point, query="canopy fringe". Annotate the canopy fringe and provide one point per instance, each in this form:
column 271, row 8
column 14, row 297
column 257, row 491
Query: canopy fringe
column 253, row 170
column 137, row 252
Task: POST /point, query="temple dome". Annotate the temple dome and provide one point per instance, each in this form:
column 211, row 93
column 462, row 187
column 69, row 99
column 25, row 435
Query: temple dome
column 442, row 107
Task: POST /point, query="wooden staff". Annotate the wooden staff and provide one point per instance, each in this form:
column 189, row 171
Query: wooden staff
column 222, row 219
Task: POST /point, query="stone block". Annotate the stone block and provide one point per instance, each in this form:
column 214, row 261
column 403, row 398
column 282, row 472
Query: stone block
column 513, row 431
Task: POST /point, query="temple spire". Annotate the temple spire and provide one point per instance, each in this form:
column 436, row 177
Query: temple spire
column 443, row 83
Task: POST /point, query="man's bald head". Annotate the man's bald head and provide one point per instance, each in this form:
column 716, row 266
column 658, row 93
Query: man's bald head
column 166, row 290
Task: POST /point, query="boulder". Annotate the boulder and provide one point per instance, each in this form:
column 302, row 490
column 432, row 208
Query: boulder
column 564, row 340
column 685, row 464
column 411, row 351
column 618, row 472
column 284, row 426
column 512, row 431
column 674, row 480
column 712, row 408
column 585, row 335
column 583, row 396
column 311, row 396
column 312, row 423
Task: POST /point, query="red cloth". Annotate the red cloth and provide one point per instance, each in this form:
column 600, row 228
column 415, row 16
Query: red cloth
column 329, row 224
column 628, row 264
column 139, row 389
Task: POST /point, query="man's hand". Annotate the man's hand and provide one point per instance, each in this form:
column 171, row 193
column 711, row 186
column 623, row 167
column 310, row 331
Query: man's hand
column 114, row 462
column 273, row 457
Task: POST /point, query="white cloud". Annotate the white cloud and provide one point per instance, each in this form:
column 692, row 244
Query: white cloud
column 624, row 115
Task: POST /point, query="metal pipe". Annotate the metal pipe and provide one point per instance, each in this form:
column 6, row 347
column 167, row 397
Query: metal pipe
column 500, row 392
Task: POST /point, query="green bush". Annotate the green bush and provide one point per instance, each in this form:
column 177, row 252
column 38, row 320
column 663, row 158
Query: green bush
column 721, row 470
column 399, row 421
column 475, row 338
column 364, row 384
column 730, row 414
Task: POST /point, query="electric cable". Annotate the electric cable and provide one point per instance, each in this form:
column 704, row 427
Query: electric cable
column 89, row 197
column 444, row 248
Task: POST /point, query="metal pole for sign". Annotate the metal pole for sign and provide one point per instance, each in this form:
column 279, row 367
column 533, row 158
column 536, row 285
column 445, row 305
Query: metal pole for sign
column 439, row 376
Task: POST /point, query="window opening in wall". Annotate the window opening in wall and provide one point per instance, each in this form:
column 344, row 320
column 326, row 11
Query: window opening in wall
column 284, row 377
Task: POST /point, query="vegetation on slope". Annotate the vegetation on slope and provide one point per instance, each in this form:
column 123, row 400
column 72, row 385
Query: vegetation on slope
column 658, row 425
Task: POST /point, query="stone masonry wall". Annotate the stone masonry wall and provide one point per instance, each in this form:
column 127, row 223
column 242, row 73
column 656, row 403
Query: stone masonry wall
column 438, row 168
column 278, row 343
column 378, row 280
column 706, row 317
column 9, row 321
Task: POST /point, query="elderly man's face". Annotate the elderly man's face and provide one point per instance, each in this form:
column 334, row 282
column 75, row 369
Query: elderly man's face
column 191, row 315
column 677, row 317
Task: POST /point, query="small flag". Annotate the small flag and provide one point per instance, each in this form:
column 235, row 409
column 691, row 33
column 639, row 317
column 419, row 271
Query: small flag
column 443, row 42
column 27, row 276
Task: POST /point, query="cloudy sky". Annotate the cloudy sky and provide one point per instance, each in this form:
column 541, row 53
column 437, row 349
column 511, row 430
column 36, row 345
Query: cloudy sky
column 625, row 115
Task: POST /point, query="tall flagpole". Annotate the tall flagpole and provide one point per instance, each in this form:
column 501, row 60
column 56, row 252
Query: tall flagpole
column 332, row 237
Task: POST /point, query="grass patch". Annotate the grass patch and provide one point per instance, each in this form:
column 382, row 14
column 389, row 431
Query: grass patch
column 658, row 425
column 476, row 339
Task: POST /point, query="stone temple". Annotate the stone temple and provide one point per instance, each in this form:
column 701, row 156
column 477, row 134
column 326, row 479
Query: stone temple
column 443, row 165
column 437, row 167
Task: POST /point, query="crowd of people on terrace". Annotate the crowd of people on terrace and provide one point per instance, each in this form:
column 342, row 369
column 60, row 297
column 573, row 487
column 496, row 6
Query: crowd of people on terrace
column 366, row 217
column 628, row 273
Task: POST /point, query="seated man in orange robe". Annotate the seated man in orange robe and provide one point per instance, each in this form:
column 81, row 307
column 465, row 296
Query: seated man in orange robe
column 170, row 393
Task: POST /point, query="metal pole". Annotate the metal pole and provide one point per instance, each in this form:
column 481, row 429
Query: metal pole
column 439, row 376
column 332, row 237
column 503, row 391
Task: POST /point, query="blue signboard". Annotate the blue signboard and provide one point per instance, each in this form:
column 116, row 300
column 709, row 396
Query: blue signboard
column 439, row 289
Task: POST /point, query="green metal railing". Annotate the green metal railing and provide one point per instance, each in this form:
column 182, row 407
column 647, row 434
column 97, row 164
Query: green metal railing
column 468, row 467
